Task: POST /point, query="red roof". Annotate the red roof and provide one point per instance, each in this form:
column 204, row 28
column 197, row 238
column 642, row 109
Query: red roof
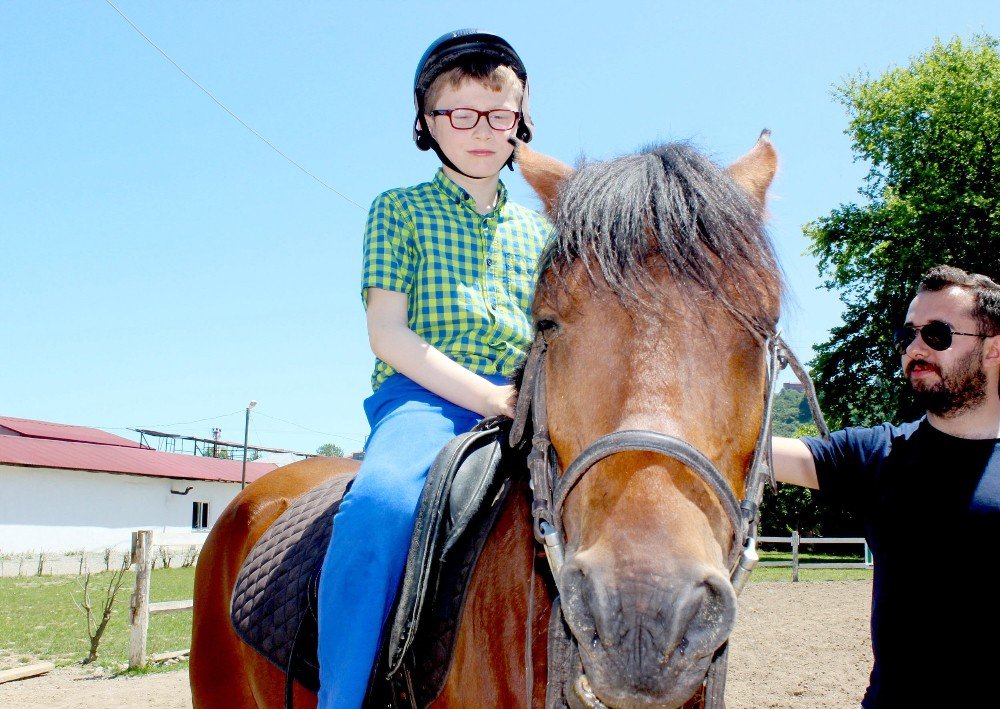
column 69, row 455
column 63, row 432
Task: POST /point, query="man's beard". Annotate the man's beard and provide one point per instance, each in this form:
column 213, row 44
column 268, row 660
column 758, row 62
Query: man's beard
column 958, row 390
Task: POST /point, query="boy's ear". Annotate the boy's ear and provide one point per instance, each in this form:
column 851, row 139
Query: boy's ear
column 755, row 170
column 542, row 172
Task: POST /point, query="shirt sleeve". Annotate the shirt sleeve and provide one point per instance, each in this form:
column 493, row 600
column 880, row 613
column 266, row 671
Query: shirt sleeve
column 388, row 257
column 845, row 463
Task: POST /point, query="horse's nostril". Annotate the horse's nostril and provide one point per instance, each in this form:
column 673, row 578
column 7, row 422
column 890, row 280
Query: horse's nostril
column 712, row 605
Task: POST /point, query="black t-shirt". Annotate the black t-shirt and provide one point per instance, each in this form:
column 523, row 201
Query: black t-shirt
column 931, row 509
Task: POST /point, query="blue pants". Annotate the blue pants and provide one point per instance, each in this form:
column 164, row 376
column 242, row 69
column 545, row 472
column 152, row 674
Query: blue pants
column 372, row 530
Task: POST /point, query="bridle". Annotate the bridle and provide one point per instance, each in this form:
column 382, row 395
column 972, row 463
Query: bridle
column 550, row 489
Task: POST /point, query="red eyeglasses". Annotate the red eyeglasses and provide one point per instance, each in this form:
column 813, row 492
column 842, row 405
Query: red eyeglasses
column 468, row 118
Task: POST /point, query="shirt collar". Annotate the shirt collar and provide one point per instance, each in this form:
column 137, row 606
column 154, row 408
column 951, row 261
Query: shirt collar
column 456, row 194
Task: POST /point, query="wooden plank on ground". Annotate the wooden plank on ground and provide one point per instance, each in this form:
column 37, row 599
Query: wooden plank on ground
column 32, row 670
column 171, row 606
column 164, row 656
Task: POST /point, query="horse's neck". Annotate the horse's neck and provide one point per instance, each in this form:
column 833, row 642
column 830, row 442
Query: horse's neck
column 491, row 661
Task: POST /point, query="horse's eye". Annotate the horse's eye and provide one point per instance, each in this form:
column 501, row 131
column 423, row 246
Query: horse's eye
column 546, row 325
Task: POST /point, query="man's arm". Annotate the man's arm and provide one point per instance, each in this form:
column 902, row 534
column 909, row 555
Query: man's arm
column 793, row 463
column 395, row 343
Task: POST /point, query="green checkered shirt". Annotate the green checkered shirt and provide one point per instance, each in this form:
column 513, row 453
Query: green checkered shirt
column 470, row 277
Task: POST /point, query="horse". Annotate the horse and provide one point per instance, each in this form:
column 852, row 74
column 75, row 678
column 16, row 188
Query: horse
column 656, row 306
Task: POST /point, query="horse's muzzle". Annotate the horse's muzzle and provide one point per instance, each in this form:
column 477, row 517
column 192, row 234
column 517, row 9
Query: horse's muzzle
column 647, row 641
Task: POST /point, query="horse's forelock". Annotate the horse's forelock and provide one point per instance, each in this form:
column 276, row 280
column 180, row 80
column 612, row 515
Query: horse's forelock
column 673, row 203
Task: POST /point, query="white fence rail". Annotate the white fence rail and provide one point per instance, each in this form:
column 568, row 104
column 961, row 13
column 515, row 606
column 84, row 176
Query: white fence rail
column 796, row 541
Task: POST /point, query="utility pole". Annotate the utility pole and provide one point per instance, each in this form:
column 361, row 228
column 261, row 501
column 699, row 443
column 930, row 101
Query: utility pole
column 246, row 433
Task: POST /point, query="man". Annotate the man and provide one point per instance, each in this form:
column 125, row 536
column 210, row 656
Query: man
column 929, row 494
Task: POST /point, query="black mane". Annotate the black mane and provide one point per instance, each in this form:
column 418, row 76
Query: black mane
column 672, row 203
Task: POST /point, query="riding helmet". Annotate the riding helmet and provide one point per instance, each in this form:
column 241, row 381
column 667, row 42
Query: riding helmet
column 450, row 50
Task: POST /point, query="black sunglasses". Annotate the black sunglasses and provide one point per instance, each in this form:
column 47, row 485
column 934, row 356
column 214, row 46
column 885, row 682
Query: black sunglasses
column 935, row 334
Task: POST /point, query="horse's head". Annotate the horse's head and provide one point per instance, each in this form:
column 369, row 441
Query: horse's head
column 655, row 301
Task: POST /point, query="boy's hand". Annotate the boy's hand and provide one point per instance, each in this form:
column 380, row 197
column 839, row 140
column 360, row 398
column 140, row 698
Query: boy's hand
column 500, row 401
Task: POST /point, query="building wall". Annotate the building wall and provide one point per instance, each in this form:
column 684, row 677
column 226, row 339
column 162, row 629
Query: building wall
column 47, row 510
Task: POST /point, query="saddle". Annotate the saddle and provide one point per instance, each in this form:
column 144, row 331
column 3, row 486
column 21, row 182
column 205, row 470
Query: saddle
column 274, row 600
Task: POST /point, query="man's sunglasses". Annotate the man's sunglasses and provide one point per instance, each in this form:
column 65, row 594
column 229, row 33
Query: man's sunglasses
column 935, row 334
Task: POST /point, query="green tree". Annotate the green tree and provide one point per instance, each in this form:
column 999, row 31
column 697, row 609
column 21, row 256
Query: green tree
column 791, row 410
column 331, row 450
column 931, row 133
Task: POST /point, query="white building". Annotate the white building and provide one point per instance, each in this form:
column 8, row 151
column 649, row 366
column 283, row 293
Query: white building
column 74, row 489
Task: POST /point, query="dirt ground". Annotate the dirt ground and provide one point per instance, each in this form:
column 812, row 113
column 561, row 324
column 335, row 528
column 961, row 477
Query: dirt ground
column 795, row 645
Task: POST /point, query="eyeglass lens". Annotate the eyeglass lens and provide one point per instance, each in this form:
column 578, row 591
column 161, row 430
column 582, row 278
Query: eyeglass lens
column 935, row 334
column 466, row 118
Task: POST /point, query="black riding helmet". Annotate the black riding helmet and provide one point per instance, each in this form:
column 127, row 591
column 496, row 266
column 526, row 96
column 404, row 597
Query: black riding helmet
column 451, row 50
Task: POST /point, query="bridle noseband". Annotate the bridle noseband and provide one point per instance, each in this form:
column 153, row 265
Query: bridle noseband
column 550, row 489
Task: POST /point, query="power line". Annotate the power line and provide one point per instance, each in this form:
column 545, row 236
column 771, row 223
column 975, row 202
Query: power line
column 186, row 423
column 312, row 430
column 221, row 105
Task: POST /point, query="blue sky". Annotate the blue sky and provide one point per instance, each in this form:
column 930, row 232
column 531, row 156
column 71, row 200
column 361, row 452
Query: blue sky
column 161, row 266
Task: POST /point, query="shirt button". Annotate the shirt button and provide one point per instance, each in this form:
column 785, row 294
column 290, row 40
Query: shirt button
column 489, row 262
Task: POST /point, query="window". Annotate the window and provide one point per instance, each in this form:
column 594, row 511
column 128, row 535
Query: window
column 199, row 515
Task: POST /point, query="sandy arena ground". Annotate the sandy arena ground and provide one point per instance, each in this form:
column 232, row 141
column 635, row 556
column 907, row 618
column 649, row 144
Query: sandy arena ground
column 795, row 645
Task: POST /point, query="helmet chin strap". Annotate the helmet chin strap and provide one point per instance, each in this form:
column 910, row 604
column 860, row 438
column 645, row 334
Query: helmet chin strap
column 445, row 160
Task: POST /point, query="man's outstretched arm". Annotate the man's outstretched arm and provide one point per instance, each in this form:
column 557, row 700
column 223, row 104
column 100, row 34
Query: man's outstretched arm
column 793, row 463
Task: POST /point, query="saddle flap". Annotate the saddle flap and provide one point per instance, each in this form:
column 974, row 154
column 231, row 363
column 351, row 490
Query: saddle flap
column 472, row 460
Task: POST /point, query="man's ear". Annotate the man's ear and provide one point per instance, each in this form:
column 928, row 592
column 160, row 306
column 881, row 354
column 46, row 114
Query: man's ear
column 991, row 352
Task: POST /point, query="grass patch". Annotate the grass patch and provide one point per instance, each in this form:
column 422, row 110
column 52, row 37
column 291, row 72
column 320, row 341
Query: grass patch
column 778, row 573
column 39, row 619
column 784, row 573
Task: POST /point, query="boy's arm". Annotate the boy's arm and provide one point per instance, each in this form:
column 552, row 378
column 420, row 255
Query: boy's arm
column 395, row 343
column 793, row 463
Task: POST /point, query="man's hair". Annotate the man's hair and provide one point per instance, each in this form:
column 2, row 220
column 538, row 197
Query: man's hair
column 986, row 311
column 495, row 77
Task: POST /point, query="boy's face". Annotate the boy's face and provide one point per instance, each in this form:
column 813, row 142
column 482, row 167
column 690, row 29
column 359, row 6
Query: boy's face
column 480, row 151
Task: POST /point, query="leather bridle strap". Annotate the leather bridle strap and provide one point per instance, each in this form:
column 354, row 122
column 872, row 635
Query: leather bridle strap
column 649, row 442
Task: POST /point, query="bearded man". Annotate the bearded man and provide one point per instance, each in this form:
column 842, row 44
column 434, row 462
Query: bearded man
column 928, row 492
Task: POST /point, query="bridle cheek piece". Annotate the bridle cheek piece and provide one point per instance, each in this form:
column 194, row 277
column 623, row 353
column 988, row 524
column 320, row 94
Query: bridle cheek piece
column 550, row 489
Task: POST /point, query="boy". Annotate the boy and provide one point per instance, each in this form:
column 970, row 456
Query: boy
column 449, row 271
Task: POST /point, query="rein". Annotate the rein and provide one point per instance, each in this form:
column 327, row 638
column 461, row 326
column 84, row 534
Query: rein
column 550, row 489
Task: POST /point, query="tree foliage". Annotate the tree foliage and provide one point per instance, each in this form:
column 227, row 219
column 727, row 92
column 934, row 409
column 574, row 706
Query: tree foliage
column 331, row 450
column 931, row 133
column 791, row 411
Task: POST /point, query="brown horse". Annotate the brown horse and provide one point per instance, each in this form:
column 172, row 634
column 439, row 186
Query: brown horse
column 654, row 308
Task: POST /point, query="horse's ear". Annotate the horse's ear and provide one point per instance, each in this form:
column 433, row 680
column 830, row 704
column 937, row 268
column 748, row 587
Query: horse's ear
column 755, row 170
column 543, row 173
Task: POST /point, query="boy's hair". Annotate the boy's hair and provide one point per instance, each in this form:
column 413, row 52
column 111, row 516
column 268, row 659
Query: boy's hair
column 986, row 311
column 495, row 77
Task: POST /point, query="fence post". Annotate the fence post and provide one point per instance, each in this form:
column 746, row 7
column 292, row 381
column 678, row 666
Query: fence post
column 142, row 557
column 795, row 555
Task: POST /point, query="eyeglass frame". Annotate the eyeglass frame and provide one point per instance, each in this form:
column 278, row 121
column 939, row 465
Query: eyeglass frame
column 913, row 331
column 480, row 115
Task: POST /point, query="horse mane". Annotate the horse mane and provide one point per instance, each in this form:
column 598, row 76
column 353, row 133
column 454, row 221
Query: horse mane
column 669, row 206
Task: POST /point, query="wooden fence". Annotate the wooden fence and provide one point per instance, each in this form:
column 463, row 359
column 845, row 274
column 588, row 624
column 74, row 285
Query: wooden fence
column 796, row 541
column 142, row 558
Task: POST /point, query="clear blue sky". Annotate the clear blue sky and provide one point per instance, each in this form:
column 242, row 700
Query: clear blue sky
column 161, row 266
